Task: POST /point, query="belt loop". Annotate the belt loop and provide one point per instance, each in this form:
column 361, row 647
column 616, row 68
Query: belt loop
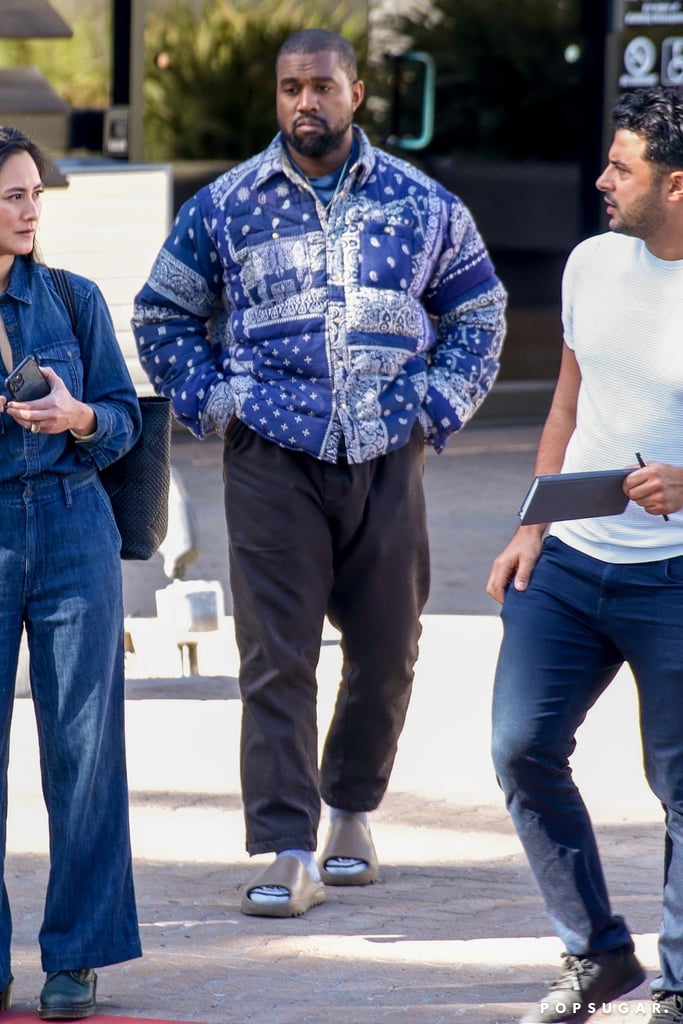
column 66, row 484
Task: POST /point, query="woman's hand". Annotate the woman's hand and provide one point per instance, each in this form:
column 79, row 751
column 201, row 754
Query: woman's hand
column 56, row 412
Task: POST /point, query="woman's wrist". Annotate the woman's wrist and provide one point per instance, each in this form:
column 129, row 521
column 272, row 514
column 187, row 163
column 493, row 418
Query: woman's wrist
column 85, row 424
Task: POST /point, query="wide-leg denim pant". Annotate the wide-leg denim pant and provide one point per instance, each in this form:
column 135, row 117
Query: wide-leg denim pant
column 564, row 639
column 60, row 575
column 307, row 539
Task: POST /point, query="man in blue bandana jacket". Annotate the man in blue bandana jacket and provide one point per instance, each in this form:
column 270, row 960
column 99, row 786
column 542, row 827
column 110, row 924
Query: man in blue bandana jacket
column 327, row 309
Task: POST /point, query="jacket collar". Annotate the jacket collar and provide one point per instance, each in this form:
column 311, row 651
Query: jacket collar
column 19, row 285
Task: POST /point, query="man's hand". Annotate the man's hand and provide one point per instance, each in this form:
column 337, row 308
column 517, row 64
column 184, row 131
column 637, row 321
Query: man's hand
column 657, row 487
column 516, row 561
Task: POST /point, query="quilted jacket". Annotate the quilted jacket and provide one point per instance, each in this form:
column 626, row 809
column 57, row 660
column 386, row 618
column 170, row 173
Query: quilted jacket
column 323, row 328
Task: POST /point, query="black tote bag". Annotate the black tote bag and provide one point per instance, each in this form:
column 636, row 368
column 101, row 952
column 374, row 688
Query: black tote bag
column 138, row 482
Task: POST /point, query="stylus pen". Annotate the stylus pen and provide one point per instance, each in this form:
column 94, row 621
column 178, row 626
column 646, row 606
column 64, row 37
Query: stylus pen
column 641, row 462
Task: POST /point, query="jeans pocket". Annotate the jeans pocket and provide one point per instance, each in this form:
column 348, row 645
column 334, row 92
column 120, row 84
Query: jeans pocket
column 673, row 570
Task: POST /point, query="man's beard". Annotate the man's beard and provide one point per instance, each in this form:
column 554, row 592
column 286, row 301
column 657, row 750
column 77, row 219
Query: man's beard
column 644, row 215
column 316, row 146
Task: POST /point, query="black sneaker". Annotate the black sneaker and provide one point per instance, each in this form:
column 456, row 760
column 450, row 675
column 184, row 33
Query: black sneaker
column 585, row 984
column 667, row 1007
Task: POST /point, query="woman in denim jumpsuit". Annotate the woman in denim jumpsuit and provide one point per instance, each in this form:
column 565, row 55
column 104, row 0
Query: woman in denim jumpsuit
column 61, row 582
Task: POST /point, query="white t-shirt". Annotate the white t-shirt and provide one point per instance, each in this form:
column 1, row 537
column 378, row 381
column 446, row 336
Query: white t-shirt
column 623, row 318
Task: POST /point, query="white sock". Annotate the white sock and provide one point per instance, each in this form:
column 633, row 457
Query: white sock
column 278, row 893
column 307, row 858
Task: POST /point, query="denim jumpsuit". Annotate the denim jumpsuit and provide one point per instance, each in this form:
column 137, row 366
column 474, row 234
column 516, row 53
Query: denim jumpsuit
column 61, row 580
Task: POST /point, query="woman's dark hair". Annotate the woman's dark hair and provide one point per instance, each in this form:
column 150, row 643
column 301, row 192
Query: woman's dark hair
column 13, row 141
column 657, row 116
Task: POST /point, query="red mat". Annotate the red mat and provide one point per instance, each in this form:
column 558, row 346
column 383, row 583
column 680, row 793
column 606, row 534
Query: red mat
column 32, row 1018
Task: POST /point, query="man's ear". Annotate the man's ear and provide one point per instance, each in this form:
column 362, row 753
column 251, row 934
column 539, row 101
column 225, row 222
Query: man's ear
column 357, row 93
column 676, row 186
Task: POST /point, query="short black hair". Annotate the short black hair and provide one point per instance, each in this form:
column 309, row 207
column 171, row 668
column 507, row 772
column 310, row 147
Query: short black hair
column 319, row 40
column 656, row 114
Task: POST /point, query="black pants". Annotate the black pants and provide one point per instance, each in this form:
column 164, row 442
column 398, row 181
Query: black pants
column 309, row 539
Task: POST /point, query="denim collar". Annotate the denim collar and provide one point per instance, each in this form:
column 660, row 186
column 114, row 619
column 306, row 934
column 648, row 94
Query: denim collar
column 19, row 285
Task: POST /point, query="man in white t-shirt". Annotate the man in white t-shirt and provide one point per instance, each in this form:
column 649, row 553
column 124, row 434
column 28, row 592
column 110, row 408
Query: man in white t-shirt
column 585, row 596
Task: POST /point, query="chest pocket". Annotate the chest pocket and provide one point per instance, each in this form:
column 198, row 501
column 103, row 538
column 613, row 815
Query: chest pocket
column 65, row 360
column 386, row 256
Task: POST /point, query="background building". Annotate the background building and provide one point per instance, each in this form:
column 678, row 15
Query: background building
column 505, row 101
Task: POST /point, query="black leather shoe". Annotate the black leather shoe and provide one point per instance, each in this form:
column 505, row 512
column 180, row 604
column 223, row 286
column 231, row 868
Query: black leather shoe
column 6, row 997
column 68, row 995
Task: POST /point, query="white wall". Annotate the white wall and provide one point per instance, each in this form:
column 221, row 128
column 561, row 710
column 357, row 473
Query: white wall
column 109, row 224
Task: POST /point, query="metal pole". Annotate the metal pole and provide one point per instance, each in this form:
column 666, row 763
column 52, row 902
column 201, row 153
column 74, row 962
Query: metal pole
column 128, row 69
column 120, row 63
column 596, row 18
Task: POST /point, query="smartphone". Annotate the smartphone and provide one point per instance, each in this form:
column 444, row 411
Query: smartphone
column 26, row 382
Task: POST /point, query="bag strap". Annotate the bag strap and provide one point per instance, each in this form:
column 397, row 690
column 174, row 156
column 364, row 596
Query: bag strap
column 62, row 283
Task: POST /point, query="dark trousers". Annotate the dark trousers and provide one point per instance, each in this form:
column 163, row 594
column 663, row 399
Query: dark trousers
column 564, row 640
column 309, row 539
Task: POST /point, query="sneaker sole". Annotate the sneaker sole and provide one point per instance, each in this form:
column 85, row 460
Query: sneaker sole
column 633, row 982
column 66, row 1012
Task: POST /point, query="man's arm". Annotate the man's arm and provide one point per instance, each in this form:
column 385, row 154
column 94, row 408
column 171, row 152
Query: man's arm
column 467, row 301
column 173, row 314
column 517, row 560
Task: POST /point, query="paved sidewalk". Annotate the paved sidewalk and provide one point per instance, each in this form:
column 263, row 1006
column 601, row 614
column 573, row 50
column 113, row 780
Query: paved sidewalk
column 453, row 930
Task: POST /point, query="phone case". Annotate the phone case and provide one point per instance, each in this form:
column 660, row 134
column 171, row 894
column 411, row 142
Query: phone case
column 26, row 383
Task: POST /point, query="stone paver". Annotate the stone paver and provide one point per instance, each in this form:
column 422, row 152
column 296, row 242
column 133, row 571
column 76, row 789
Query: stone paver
column 453, row 930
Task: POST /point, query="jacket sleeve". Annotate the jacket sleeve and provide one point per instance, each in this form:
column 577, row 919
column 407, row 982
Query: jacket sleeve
column 179, row 323
column 467, row 302
column 107, row 385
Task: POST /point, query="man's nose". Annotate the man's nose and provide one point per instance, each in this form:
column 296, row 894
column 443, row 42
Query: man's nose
column 308, row 99
column 601, row 182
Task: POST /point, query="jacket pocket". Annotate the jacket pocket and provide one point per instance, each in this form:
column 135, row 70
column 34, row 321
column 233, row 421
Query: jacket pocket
column 386, row 256
column 65, row 359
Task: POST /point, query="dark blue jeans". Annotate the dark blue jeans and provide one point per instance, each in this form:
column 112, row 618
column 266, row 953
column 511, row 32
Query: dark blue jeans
column 61, row 577
column 564, row 639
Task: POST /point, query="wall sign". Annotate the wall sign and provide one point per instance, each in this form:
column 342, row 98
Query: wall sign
column 650, row 43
